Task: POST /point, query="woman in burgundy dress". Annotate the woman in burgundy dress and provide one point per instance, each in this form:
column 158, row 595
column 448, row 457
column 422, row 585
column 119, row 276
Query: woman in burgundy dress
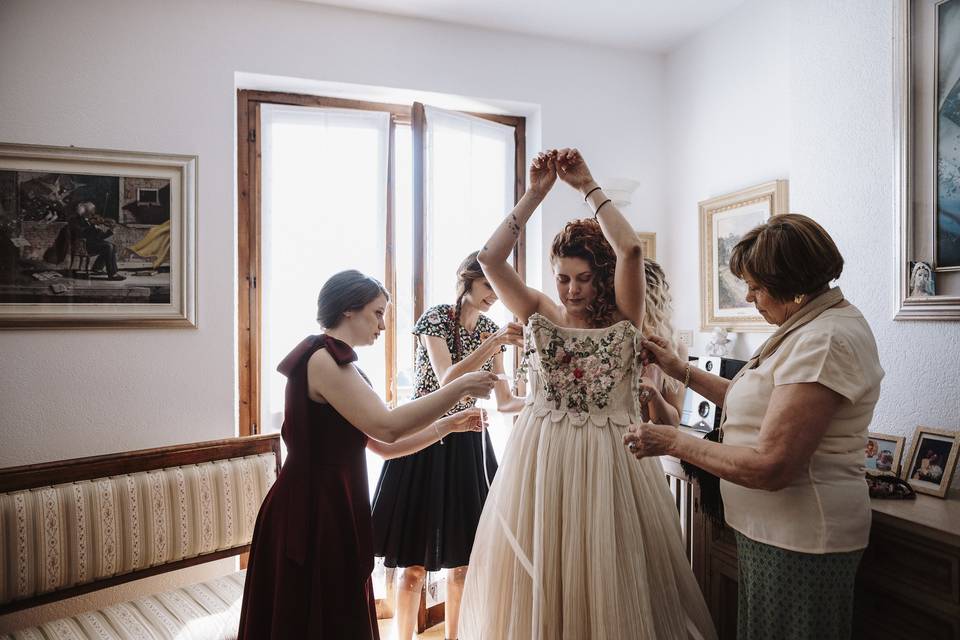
column 311, row 555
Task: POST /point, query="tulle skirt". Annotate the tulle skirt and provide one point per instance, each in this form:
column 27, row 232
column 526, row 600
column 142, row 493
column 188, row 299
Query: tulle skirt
column 579, row 540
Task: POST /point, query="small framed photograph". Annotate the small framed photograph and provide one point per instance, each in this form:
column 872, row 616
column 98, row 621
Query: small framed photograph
column 922, row 280
column 933, row 456
column 883, row 453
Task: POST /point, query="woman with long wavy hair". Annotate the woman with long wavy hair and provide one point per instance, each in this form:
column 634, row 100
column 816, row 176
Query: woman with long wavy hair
column 574, row 533
column 661, row 397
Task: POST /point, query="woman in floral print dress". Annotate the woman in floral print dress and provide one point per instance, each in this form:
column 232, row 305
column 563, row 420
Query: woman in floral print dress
column 576, row 540
column 427, row 504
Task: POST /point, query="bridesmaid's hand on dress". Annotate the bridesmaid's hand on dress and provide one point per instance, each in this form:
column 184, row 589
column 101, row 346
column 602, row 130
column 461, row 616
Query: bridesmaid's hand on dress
column 510, row 335
column 648, row 439
column 466, row 420
column 656, row 350
column 477, row 384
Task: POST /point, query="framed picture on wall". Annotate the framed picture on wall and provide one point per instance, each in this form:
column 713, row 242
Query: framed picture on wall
column 883, row 453
column 92, row 238
column 927, row 160
column 723, row 222
column 648, row 239
column 933, row 457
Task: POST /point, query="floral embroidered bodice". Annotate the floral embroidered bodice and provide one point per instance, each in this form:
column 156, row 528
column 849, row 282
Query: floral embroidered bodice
column 583, row 374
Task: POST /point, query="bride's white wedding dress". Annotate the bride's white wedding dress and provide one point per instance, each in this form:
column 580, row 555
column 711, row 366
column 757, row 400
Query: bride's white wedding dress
column 578, row 540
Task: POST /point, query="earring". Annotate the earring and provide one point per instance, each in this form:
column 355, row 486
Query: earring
column 798, row 299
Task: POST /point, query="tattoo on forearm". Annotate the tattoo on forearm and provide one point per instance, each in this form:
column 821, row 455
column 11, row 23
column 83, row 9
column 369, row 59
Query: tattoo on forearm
column 513, row 225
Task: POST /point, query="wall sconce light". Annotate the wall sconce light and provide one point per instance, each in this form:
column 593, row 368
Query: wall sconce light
column 620, row 190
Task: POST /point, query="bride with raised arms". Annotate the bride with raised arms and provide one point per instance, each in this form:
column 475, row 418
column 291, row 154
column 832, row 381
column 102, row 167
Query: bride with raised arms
column 577, row 540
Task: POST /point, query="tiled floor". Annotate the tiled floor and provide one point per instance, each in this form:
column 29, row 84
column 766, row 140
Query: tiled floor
column 387, row 632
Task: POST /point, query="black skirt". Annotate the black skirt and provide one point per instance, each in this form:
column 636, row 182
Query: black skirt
column 427, row 505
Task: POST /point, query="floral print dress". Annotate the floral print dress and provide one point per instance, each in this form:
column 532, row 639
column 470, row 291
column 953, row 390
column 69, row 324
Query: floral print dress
column 427, row 504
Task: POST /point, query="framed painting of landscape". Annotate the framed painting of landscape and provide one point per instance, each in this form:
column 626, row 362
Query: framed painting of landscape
column 723, row 222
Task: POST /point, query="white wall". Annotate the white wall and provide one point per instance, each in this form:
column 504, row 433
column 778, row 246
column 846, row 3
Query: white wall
column 728, row 127
column 802, row 89
column 160, row 76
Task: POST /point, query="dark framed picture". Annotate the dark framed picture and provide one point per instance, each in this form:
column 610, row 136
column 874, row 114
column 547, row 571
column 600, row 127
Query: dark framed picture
column 933, row 457
column 882, row 454
column 96, row 238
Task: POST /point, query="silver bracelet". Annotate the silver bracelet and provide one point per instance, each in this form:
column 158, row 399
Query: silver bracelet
column 437, row 429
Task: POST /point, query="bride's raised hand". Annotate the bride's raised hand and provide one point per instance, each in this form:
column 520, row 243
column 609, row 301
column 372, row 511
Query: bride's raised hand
column 573, row 169
column 543, row 173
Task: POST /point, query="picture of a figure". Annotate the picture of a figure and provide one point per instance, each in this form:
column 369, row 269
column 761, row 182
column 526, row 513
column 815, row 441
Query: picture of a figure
column 97, row 238
column 932, row 454
column 872, row 453
column 921, row 280
column 882, row 455
column 84, row 238
column 87, row 235
column 929, row 468
column 885, row 460
column 948, row 134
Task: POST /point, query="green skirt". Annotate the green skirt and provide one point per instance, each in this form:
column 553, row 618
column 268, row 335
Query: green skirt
column 787, row 595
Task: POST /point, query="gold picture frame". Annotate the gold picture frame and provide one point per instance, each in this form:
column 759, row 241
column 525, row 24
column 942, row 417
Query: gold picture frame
column 883, row 454
column 933, row 457
column 648, row 239
column 723, row 221
column 97, row 238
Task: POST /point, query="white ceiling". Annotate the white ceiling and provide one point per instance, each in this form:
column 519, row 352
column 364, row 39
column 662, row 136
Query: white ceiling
column 646, row 25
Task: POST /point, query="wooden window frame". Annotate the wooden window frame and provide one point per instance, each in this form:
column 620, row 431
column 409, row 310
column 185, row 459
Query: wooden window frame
column 249, row 216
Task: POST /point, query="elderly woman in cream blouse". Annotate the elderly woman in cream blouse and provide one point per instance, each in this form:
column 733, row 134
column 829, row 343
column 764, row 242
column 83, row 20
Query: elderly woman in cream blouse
column 790, row 456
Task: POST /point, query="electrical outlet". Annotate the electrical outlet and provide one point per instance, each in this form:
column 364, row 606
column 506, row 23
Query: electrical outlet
column 686, row 337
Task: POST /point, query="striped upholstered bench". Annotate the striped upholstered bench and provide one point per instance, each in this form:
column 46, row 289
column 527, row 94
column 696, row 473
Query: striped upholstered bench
column 74, row 526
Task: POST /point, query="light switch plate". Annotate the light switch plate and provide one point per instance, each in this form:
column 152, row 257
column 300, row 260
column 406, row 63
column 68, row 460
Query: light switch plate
column 686, row 337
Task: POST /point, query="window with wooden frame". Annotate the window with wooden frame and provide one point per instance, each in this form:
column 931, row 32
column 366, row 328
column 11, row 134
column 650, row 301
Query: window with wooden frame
column 401, row 192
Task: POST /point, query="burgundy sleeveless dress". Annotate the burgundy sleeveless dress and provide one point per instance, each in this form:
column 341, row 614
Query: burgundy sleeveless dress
column 311, row 555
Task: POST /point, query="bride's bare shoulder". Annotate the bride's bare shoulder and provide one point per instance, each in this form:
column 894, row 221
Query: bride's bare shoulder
column 551, row 311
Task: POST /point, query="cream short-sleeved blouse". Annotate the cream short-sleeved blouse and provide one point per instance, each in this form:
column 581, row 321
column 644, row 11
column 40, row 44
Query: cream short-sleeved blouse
column 827, row 508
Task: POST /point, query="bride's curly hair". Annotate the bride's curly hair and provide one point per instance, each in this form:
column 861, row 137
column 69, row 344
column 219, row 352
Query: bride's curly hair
column 584, row 239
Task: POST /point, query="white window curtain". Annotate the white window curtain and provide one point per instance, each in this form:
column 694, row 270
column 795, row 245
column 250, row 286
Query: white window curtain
column 469, row 188
column 324, row 203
